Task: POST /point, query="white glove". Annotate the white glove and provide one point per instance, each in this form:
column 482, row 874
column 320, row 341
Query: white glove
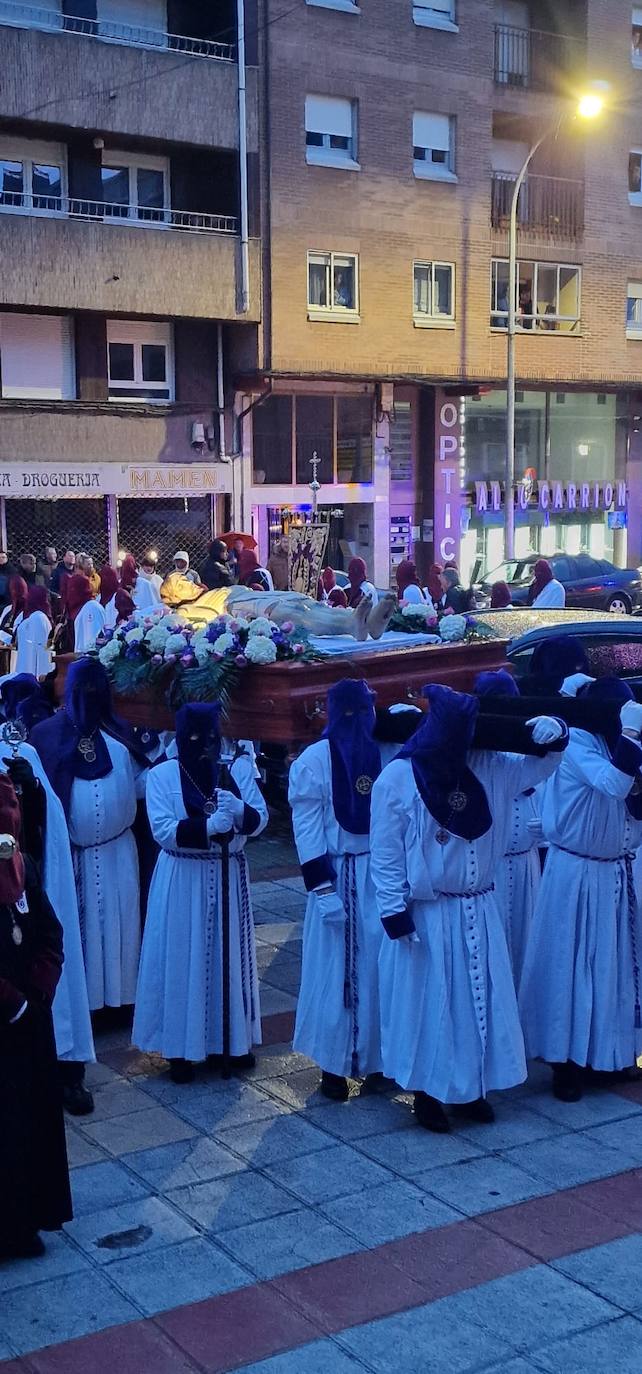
column 571, row 685
column 412, row 939
column 233, row 804
column 221, row 822
column 545, row 729
column 330, row 908
column 631, row 717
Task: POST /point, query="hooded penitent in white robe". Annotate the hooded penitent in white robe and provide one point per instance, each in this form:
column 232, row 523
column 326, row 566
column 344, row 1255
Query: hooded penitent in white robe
column 581, row 976
column 552, row 597
column 32, row 637
column 72, row 1025
column 179, row 996
column 87, row 626
column 337, row 1021
column 518, row 875
column 143, row 595
column 449, row 1020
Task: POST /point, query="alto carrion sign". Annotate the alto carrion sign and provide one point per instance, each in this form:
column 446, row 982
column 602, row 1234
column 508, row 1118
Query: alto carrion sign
column 554, row 497
column 48, row 481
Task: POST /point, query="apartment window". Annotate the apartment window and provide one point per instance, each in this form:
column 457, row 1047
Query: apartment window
column 140, row 21
column 287, row 430
column 333, row 292
column 435, row 14
column 32, row 176
column 635, row 177
column 634, row 310
column 135, row 187
column 434, row 293
column 547, row 296
column 331, row 131
column 636, row 36
column 434, row 146
column 37, row 357
column 140, row 361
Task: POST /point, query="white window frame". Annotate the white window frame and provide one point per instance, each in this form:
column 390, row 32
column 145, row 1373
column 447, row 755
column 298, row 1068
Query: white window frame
column 633, row 292
column 636, row 22
column 424, row 321
column 346, row 6
column 635, row 197
column 426, row 16
column 115, row 157
column 28, row 151
column 326, row 156
column 139, row 332
column 541, row 324
column 426, row 170
column 333, row 314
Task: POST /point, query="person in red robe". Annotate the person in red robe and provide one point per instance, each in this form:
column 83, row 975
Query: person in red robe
column 33, row 1158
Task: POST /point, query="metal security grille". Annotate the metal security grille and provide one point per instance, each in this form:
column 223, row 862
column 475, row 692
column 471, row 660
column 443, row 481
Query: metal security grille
column 80, row 525
column 166, row 525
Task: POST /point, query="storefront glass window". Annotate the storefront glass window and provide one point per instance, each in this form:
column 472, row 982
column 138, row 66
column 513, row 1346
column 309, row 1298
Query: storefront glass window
column 314, row 434
column 272, row 452
column 354, row 439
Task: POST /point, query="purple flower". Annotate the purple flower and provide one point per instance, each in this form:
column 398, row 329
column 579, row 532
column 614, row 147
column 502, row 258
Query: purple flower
column 188, row 660
column 157, row 658
column 287, row 627
column 240, row 660
column 234, row 626
column 132, row 651
column 298, row 648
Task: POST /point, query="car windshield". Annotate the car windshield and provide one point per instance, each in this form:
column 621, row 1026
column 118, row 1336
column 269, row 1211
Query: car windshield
column 517, row 570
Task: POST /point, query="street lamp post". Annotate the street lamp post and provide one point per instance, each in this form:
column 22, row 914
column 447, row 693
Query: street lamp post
column 588, row 107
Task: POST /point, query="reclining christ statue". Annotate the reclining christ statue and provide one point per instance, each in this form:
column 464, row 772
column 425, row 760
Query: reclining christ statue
column 314, row 617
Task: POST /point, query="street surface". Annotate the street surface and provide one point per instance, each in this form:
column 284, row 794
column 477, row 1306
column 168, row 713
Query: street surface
column 253, row 1225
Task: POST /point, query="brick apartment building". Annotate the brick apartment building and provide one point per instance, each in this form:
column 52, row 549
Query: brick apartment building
column 130, row 290
column 392, row 133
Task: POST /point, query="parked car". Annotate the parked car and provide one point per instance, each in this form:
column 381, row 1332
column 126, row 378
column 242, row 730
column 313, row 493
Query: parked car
column 590, row 583
column 613, row 643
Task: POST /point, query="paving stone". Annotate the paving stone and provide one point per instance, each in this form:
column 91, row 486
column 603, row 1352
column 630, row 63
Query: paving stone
column 284, row 1243
column 274, row 1001
column 425, row 1341
column 594, row 1109
column 568, row 1160
column 301, row 1089
column 133, row 1228
column 277, row 1060
column 80, row 1150
column 60, row 1257
column 409, row 1152
column 614, row 1346
column 619, row 1198
column 96, row 1186
column 224, row 1203
column 357, row 1288
column 330, row 1173
column 394, row 1209
column 322, row 1357
column 364, row 1115
column 450, row 1259
column 117, row 1098
column 481, row 1185
column 224, row 1106
column 124, row 1134
column 184, row 1162
column 277, row 1138
column 236, row 1328
column 281, row 935
column 62, row 1309
column 612, row 1271
column 137, row 1348
column 99, row 1075
column 535, row 1307
column 624, row 1136
column 179, row 1274
column 514, row 1125
column 554, row 1225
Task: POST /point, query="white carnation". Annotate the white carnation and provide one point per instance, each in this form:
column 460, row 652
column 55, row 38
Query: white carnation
column 202, row 652
column 260, row 649
column 175, row 644
column 420, row 612
column 135, row 636
column 175, row 621
column 156, row 638
column 452, row 628
column 109, row 652
column 262, row 626
column 223, row 643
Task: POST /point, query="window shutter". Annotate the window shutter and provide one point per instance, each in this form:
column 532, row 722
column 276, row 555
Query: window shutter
column 431, row 131
column 443, row 7
column 636, row 17
column 146, row 14
column 36, row 357
column 326, row 114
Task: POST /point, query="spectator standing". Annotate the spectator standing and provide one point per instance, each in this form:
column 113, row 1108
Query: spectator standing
column 251, row 574
column 180, row 564
column 46, row 567
column 63, row 570
column 278, row 564
column 85, row 565
column 216, row 571
column 456, row 598
column 149, row 573
column 6, row 573
column 28, row 568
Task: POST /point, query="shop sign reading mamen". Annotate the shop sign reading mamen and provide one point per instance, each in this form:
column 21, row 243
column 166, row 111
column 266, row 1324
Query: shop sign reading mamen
column 579, row 497
column 47, row 481
column 447, row 484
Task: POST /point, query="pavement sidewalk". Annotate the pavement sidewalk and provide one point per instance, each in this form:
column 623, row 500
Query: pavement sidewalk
column 253, row 1225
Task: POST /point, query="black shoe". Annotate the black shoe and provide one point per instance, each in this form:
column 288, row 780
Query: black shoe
column 334, row 1087
column 377, row 1083
column 77, row 1100
column 22, row 1247
column 430, row 1114
column 181, row 1071
column 567, row 1082
column 480, row 1111
column 239, row 1063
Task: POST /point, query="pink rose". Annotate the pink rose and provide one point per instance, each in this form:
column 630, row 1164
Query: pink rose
column 298, row 648
column 287, row 627
column 157, row 658
column 240, row 660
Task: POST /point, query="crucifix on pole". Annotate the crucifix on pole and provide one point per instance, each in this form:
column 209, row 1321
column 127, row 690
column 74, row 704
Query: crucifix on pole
column 315, row 485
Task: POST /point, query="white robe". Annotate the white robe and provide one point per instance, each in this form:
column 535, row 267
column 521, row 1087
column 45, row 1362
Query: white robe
column 72, row 1025
column 518, row 877
column 87, row 626
column 179, row 995
column 32, row 637
column 577, row 992
column 450, row 1025
column 144, row 597
column 552, row 597
column 106, row 868
column 340, row 960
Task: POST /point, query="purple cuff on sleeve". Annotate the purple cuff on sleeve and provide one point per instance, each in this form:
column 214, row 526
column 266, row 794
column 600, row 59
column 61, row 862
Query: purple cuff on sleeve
column 628, row 756
column 317, row 871
column 192, row 834
column 559, row 745
column 251, row 820
column 399, row 925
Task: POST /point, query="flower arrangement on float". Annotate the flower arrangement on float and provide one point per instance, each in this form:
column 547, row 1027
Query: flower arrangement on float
column 190, row 661
column 418, row 619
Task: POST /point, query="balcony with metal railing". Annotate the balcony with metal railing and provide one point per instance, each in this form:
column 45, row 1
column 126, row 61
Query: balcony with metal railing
column 142, row 216
column 531, row 59
column 549, row 207
column 50, row 19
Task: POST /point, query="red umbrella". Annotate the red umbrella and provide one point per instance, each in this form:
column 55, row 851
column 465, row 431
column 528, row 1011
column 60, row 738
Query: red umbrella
column 248, row 540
